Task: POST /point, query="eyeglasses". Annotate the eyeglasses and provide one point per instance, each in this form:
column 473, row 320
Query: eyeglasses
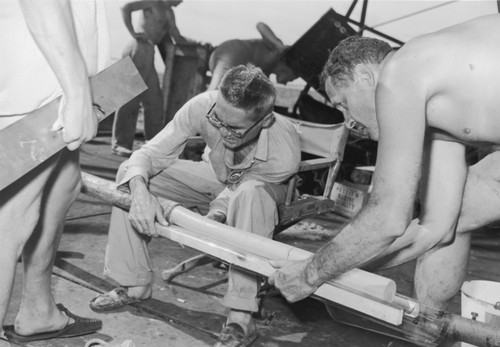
column 216, row 122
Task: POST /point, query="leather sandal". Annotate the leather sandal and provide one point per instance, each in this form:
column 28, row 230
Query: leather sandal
column 112, row 300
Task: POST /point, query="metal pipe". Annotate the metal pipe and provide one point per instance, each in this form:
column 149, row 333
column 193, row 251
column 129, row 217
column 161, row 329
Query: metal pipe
column 351, row 8
column 363, row 17
column 376, row 32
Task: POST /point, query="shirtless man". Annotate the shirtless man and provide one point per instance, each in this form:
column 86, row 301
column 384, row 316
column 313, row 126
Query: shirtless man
column 427, row 101
column 156, row 23
column 264, row 53
column 58, row 45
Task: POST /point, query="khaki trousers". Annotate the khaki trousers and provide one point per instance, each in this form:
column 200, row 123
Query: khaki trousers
column 252, row 207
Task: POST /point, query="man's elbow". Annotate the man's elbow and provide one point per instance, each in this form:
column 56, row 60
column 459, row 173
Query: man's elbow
column 392, row 231
column 387, row 223
column 445, row 236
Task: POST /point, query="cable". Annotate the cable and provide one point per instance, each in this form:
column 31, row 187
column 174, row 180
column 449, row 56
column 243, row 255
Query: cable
column 90, row 215
column 413, row 14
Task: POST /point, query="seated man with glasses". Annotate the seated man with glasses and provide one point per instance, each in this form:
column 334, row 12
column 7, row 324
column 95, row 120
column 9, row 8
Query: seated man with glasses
column 250, row 153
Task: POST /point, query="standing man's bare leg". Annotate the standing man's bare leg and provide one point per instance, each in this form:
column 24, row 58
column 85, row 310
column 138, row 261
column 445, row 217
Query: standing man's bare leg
column 38, row 310
column 19, row 214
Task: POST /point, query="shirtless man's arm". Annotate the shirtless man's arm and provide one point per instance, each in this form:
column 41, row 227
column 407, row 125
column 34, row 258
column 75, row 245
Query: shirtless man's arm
column 400, row 100
column 58, row 43
column 442, row 186
column 127, row 15
column 432, row 96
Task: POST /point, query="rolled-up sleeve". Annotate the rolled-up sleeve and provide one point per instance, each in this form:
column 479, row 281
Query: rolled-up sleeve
column 168, row 144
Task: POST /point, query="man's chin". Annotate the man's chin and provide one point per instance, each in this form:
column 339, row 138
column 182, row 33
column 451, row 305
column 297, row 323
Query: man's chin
column 231, row 144
column 373, row 135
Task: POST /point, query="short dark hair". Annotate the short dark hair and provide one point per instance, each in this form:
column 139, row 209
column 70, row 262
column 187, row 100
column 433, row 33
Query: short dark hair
column 350, row 52
column 248, row 88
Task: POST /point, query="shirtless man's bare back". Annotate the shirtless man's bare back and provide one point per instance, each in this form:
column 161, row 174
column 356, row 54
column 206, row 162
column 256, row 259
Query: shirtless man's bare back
column 264, row 53
column 424, row 104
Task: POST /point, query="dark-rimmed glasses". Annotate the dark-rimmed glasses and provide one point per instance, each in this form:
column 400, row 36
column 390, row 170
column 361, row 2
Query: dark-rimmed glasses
column 216, row 122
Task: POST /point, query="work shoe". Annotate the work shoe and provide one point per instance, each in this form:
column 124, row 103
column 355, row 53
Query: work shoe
column 233, row 335
column 112, row 300
column 121, row 151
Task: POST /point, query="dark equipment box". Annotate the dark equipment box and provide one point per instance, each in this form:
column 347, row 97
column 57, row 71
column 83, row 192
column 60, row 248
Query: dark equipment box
column 308, row 55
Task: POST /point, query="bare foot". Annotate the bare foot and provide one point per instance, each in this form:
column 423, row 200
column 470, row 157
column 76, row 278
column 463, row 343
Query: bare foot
column 32, row 320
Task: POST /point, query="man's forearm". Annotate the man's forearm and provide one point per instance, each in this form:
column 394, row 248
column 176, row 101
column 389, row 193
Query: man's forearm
column 350, row 249
column 127, row 19
column 127, row 13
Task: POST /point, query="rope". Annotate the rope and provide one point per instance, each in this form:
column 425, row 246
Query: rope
column 90, row 215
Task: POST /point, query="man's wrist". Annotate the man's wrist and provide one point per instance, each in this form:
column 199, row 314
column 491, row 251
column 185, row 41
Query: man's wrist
column 312, row 275
column 137, row 183
column 217, row 215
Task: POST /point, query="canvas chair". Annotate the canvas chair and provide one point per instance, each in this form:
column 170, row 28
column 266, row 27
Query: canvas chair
column 324, row 141
column 327, row 143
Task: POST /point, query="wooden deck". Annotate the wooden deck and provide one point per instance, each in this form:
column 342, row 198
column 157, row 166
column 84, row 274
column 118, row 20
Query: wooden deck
column 188, row 311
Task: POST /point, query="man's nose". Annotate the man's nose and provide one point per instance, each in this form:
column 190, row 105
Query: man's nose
column 224, row 132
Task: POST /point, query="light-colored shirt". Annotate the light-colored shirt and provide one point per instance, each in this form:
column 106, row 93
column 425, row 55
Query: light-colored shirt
column 274, row 158
column 27, row 81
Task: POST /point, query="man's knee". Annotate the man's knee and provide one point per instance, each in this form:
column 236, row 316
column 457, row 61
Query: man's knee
column 24, row 219
column 254, row 195
column 488, row 167
column 251, row 190
column 20, row 203
column 481, row 198
column 67, row 177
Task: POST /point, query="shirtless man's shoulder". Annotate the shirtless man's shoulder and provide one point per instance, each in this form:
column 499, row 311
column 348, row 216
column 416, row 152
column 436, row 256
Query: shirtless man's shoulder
column 455, row 73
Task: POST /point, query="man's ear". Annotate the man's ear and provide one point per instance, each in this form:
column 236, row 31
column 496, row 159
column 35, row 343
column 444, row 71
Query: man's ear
column 366, row 74
column 268, row 120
